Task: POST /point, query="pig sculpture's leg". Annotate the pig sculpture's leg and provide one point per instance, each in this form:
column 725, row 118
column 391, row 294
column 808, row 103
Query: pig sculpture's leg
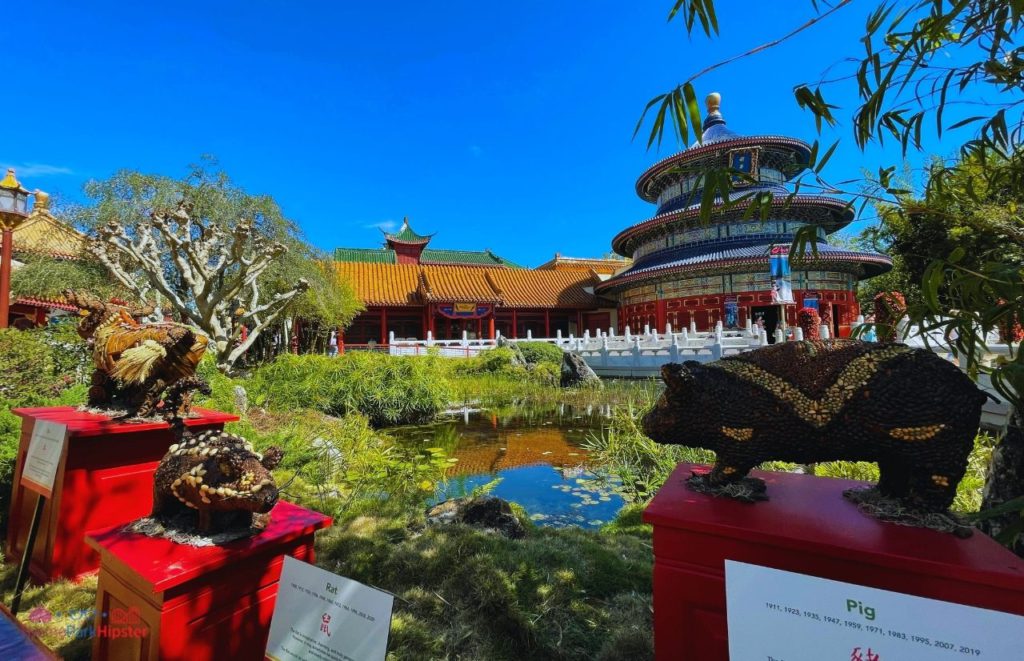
column 729, row 478
column 893, row 479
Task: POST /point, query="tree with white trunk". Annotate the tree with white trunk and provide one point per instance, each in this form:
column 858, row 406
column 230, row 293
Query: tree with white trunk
column 218, row 258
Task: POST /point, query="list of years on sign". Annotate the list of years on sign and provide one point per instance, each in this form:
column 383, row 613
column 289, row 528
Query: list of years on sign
column 345, row 607
column 831, row 620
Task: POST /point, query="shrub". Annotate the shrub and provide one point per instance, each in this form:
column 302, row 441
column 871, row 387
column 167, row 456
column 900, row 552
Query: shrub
column 540, row 352
column 26, row 366
column 389, row 390
column 547, row 373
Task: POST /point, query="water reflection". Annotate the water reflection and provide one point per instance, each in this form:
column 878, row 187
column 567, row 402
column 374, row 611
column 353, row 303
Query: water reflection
column 536, row 454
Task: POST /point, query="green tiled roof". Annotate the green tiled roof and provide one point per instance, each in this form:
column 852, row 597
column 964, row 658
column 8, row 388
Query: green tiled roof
column 428, row 256
column 475, row 257
column 376, row 255
column 407, row 235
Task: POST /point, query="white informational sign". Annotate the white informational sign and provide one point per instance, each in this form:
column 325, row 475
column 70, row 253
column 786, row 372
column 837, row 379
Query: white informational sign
column 782, row 616
column 45, row 449
column 320, row 615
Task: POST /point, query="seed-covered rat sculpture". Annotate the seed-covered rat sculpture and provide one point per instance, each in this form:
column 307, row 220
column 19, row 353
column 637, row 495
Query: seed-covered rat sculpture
column 217, row 475
column 907, row 409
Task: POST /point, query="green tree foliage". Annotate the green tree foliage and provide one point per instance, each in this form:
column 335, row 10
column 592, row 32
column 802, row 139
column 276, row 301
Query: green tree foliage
column 41, row 276
column 220, row 257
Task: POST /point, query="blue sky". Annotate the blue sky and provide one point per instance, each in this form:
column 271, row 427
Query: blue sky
column 502, row 126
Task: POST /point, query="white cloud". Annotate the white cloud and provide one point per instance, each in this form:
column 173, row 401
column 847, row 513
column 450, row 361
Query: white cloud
column 37, row 169
column 386, row 225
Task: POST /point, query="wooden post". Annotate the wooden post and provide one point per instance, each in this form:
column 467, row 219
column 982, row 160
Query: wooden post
column 383, row 325
column 547, row 323
column 579, row 322
column 490, row 326
column 515, row 325
column 479, row 328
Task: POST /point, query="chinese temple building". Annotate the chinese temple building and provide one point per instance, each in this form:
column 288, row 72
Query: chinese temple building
column 605, row 266
column 42, row 236
column 687, row 271
column 410, row 289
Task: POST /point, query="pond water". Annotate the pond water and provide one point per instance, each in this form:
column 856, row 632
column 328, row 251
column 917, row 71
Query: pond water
column 534, row 458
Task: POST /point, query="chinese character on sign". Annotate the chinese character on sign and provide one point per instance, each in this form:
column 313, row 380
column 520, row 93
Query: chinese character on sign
column 869, row 655
column 325, row 620
column 40, row 615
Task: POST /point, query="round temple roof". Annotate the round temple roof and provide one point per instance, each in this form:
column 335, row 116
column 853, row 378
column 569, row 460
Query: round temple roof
column 687, row 260
column 715, row 139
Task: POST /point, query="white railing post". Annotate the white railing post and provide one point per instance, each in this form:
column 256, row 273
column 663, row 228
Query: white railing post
column 654, row 337
column 529, row 334
column 716, row 351
column 430, row 339
column 718, row 325
column 675, row 348
column 611, row 332
column 750, row 326
column 798, row 334
column 693, row 327
column 647, row 330
column 824, row 332
column 762, row 338
column 718, row 335
column 686, row 336
column 586, row 335
column 779, row 336
column 668, row 328
column 465, row 338
column 628, row 339
column 558, row 336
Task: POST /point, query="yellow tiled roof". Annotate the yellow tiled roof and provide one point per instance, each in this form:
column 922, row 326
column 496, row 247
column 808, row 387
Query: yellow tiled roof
column 457, row 284
column 545, row 289
column 42, row 234
column 414, row 284
column 382, row 284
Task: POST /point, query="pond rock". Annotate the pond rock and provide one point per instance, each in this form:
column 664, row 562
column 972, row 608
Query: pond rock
column 576, row 372
column 488, row 513
column 518, row 360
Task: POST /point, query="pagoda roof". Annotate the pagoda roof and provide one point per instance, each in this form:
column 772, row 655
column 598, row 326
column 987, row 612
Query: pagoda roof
column 406, row 234
column 693, row 260
column 428, row 256
column 717, row 137
column 42, row 234
column 380, row 284
column 834, row 214
column 601, row 265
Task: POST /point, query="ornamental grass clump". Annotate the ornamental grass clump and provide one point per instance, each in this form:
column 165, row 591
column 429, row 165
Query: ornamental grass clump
column 389, row 390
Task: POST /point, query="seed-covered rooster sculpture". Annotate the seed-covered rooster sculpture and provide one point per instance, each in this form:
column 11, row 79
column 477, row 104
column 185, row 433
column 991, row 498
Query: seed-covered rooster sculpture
column 135, row 362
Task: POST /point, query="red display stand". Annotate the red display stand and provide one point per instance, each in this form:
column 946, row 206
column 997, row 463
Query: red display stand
column 106, row 479
column 171, row 601
column 806, row 527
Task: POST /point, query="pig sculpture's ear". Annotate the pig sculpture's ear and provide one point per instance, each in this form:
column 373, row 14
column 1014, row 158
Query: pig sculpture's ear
column 678, row 377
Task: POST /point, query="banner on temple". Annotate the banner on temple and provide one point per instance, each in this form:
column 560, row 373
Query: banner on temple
column 778, row 266
column 732, row 312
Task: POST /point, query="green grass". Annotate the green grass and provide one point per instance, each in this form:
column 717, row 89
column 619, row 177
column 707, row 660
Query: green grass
column 461, row 593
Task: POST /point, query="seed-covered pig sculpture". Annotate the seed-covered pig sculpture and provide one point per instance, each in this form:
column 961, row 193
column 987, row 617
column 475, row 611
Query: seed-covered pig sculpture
column 219, row 476
column 907, row 409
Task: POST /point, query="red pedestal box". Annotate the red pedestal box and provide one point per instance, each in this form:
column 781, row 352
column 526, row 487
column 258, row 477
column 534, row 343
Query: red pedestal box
column 170, row 601
column 106, row 479
column 806, row 527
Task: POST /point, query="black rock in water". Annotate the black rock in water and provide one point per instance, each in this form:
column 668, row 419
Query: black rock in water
column 486, row 512
column 576, row 372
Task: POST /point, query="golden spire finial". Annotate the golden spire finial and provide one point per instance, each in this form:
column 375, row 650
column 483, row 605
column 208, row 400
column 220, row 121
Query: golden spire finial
column 10, row 181
column 713, row 102
column 42, row 200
